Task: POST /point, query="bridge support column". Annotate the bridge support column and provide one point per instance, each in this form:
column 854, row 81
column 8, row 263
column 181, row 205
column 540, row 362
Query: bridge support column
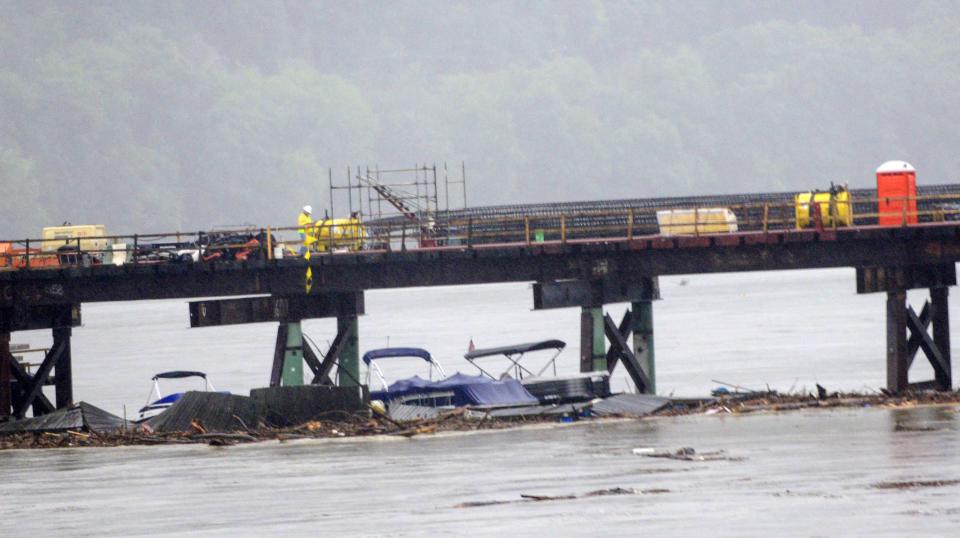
column 940, row 315
column 907, row 331
column 348, row 374
column 898, row 363
column 643, row 349
column 288, row 355
column 593, row 344
column 907, row 334
column 6, row 381
column 63, row 371
column 292, row 355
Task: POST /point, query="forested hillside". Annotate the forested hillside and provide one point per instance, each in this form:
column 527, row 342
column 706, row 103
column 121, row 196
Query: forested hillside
column 188, row 114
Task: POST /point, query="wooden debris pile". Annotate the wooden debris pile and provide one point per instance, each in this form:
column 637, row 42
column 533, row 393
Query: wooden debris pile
column 773, row 401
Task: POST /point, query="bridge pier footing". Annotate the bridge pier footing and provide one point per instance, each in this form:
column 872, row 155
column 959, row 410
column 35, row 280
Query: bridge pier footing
column 22, row 389
column 907, row 331
column 907, row 334
column 597, row 327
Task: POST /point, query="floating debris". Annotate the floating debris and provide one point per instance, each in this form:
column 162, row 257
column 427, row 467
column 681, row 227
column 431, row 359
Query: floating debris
column 689, row 454
column 547, row 497
column 916, row 484
column 615, row 491
column 629, row 405
column 908, row 428
column 402, row 413
column 528, row 497
column 237, row 419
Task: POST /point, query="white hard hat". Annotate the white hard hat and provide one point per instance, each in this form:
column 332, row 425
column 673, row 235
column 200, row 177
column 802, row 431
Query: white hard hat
column 307, row 209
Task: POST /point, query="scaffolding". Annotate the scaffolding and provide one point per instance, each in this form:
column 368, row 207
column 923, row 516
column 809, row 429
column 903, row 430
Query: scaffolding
column 409, row 195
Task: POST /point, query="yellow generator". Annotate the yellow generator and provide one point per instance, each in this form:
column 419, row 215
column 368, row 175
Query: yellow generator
column 339, row 234
column 836, row 208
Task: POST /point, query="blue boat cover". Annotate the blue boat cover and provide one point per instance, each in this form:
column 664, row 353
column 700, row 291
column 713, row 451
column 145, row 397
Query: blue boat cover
column 466, row 389
column 389, row 352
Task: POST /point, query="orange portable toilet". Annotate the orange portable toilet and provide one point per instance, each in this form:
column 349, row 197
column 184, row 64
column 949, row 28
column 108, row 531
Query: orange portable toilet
column 897, row 193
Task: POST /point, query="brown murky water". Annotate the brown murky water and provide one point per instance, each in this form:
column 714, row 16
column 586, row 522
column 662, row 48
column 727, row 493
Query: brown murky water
column 800, row 474
column 808, row 473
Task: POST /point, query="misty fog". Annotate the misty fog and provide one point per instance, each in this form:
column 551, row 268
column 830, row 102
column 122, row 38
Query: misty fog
column 158, row 116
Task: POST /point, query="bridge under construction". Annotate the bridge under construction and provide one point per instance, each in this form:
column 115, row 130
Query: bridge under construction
column 577, row 255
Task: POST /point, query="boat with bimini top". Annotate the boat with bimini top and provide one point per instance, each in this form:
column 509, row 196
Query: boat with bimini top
column 157, row 404
column 457, row 390
column 548, row 389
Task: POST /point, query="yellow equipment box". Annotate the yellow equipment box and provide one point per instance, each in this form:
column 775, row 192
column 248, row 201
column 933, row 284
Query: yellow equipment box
column 833, row 204
column 707, row 220
column 55, row 237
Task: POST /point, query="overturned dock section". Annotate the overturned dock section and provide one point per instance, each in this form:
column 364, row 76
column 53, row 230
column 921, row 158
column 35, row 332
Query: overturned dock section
column 294, row 405
column 213, row 411
column 80, row 417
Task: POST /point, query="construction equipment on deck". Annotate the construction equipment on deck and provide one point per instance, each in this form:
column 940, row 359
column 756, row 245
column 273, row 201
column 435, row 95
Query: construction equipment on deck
column 89, row 238
column 409, row 207
column 332, row 235
column 707, row 220
column 830, row 208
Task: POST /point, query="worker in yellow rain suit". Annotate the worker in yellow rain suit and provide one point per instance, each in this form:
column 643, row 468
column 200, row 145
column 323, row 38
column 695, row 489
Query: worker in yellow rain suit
column 306, row 233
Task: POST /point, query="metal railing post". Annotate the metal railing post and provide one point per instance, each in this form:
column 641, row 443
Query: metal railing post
column 563, row 229
column 269, row 244
column 26, row 259
column 630, row 219
column 526, row 230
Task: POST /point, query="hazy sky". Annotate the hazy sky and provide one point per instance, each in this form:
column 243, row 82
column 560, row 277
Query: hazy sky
column 185, row 115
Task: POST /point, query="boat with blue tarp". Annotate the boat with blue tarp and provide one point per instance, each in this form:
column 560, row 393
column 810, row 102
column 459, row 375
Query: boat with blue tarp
column 548, row 389
column 457, row 390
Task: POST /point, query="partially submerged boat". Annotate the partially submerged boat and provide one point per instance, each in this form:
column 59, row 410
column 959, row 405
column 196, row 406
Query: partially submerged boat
column 552, row 389
column 457, row 390
column 157, row 404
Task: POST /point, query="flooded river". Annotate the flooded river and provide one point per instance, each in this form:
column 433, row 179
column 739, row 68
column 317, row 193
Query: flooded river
column 809, row 473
